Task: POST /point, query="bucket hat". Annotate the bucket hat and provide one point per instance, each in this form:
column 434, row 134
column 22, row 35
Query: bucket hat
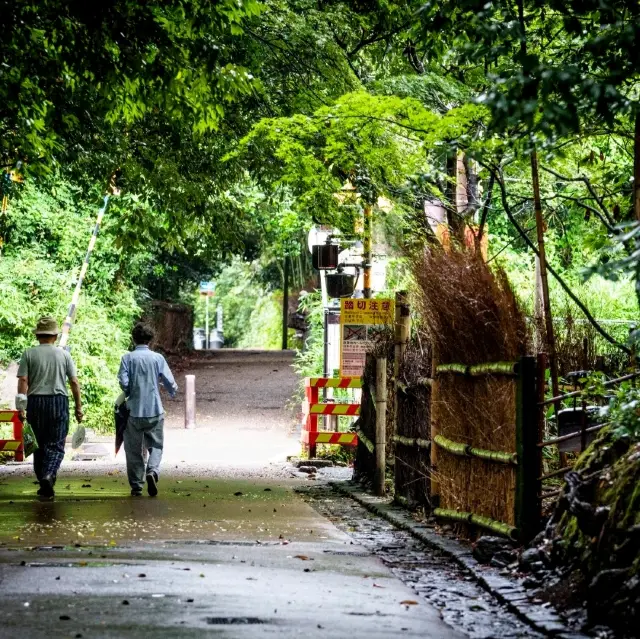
column 46, row 325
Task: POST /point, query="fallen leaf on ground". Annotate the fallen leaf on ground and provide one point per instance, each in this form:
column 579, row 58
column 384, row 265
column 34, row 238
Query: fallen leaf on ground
column 377, row 586
column 409, row 602
column 303, row 557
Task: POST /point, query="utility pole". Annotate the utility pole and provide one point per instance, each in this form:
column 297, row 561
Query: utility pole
column 367, row 257
column 285, row 306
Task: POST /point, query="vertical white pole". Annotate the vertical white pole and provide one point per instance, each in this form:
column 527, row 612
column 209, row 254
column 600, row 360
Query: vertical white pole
column 206, row 323
column 190, row 402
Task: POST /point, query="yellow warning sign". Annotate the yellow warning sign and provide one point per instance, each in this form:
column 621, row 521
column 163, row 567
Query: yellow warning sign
column 361, row 322
column 367, row 311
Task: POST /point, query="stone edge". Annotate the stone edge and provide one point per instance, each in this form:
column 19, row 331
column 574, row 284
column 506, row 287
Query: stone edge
column 512, row 595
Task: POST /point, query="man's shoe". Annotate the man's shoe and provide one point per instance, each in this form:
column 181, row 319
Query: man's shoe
column 152, row 484
column 136, row 493
column 46, row 486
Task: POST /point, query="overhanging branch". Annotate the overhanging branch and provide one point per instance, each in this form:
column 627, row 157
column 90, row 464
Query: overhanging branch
column 589, row 186
column 565, row 287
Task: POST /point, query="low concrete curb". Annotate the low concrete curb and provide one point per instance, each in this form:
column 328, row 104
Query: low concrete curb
column 510, row 593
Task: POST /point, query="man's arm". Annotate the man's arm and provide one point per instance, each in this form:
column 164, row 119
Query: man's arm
column 75, row 391
column 123, row 375
column 72, row 376
column 23, row 381
column 166, row 377
column 23, row 385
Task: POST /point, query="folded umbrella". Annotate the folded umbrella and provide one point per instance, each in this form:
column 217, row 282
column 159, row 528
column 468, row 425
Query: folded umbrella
column 121, row 415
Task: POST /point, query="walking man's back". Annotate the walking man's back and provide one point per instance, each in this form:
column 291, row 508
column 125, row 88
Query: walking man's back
column 42, row 381
column 141, row 372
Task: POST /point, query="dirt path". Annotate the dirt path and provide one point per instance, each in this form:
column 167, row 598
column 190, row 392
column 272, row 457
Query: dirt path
column 236, row 389
column 243, row 409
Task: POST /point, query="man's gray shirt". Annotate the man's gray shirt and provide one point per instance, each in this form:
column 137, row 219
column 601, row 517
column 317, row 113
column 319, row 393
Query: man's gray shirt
column 140, row 374
column 47, row 368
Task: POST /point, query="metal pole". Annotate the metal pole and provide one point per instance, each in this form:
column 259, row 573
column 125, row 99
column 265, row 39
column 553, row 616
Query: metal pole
column 381, row 425
column 285, row 306
column 325, row 363
column 190, row 402
column 367, row 256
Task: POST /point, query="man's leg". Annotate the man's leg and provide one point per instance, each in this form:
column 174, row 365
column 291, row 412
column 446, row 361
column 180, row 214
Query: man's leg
column 49, row 418
column 58, row 428
column 154, row 442
column 133, row 443
column 33, row 418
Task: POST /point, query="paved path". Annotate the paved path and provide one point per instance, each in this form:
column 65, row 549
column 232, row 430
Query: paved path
column 228, row 548
column 223, row 558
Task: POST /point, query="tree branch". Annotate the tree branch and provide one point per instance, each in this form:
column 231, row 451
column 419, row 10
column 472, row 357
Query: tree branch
column 505, row 204
column 589, row 186
column 591, row 209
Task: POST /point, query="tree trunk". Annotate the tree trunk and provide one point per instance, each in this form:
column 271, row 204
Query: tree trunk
column 451, row 197
column 551, row 342
column 636, row 169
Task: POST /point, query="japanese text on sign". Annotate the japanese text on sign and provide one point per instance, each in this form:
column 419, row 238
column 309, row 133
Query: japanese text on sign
column 366, row 311
column 361, row 321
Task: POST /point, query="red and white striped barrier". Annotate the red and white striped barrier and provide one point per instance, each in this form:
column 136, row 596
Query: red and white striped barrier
column 312, row 408
column 15, row 445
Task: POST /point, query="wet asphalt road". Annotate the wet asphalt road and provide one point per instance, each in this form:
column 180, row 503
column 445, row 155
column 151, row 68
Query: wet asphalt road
column 228, row 548
column 218, row 557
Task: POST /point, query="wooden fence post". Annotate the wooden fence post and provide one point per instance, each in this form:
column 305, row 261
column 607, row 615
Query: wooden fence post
column 527, row 513
column 381, row 425
column 402, row 330
column 402, row 335
column 541, row 413
column 434, row 488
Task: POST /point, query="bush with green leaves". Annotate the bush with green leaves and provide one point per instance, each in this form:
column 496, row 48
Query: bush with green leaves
column 30, row 287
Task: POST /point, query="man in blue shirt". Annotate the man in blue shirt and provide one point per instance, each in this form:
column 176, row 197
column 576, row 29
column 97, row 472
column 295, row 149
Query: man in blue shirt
column 140, row 374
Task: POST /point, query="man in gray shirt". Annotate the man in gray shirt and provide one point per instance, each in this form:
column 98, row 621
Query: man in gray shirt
column 42, row 377
column 141, row 372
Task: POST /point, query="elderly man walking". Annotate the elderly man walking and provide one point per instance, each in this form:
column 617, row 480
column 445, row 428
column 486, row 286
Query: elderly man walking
column 141, row 372
column 42, row 376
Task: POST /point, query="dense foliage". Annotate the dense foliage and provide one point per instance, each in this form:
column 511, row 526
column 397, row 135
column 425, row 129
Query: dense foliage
column 46, row 232
column 234, row 126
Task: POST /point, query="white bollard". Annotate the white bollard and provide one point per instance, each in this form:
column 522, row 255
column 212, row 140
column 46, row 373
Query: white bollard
column 190, row 402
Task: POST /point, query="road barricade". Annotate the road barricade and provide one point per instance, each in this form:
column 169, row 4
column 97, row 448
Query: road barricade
column 313, row 408
column 15, row 445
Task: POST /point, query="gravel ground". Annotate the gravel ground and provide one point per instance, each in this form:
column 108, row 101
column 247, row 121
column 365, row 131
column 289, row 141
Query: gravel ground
column 463, row 604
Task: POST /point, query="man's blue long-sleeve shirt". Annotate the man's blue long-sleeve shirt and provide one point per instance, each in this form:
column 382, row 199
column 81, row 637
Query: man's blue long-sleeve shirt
column 140, row 373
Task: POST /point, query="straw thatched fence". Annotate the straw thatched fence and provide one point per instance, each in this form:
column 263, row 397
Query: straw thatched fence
column 464, row 441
